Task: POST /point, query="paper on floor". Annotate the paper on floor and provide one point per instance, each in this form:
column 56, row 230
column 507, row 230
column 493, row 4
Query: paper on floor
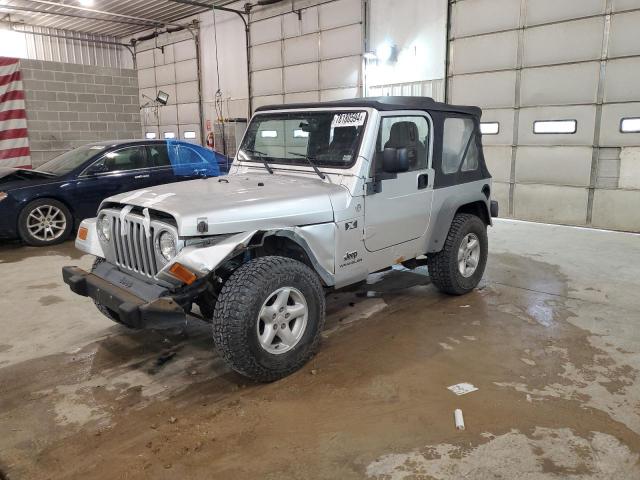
column 462, row 388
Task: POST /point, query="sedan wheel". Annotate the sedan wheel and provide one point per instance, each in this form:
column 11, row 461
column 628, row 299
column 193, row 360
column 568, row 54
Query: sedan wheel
column 45, row 222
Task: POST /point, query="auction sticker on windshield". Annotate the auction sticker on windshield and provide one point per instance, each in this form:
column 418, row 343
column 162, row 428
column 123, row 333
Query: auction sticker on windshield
column 350, row 119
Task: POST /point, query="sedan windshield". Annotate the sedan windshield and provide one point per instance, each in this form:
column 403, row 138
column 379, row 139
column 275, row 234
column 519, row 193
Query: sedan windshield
column 63, row 164
column 325, row 139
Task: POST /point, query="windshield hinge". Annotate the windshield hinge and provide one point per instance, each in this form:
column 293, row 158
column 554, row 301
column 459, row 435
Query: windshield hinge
column 374, row 186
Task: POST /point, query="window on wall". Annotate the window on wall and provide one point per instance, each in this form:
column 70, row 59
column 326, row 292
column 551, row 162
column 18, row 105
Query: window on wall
column 489, row 128
column 630, row 125
column 169, row 135
column 411, row 133
column 555, row 126
column 459, row 149
column 190, row 134
column 150, row 135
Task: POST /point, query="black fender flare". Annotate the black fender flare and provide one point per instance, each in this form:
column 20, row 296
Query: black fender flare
column 448, row 210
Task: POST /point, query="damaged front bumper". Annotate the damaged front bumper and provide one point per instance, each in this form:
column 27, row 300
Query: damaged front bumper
column 135, row 303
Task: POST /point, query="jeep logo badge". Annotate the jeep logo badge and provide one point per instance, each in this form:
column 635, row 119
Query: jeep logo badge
column 350, row 256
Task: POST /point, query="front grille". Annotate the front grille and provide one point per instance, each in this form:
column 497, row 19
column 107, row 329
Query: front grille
column 132, row 247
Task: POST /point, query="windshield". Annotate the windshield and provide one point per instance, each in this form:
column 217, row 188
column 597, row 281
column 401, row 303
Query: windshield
column 329, row 139
column 63, row 164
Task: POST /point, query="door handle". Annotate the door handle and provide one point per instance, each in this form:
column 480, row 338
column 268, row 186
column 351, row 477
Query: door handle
column 141, row 176
column 423, row 181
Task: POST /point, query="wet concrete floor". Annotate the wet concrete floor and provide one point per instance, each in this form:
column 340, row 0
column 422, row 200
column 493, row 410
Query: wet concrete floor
column 550, row 338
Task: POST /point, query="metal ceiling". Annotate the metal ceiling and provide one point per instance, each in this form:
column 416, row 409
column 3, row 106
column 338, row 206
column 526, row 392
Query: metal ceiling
column 114, row 18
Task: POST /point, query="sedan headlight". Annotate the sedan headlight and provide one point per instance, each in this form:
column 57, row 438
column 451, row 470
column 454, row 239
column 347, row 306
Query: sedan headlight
column 3, row 195
column 167, row 245
column 103, row 226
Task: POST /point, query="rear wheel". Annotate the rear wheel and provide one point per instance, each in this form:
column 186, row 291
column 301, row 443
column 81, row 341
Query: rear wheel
column 459, row 266
column 268, row 318
column 45, row 222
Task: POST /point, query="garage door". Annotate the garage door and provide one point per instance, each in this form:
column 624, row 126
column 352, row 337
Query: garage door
column 311, row 54
column 170, row 65
column 556, row 82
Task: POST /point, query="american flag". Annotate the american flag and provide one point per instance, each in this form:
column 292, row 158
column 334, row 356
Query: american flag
column 14, row 139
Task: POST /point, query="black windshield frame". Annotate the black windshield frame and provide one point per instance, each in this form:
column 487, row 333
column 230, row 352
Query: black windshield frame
column 248, row 142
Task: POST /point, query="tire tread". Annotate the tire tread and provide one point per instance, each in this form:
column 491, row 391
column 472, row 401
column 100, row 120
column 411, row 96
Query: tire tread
column 442, row 270
column 232, row 313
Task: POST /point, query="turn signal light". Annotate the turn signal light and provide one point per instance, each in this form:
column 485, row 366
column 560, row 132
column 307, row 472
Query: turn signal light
column 182, row 273
column 82, row 233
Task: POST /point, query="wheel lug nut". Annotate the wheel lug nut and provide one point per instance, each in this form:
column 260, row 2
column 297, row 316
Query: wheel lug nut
column 283, row 325
column 282, row 309
column 274, row 316
column 286, row 315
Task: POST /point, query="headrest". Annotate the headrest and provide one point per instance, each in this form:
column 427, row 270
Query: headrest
column 403, row 134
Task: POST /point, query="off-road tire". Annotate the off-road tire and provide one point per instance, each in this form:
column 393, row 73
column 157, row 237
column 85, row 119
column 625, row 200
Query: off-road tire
column 238, row 307
column 101, row 308
column 25, row 234
column 443, row 266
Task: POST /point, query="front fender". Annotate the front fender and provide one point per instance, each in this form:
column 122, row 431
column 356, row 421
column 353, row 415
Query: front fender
column 203, row 260
column 91, row 244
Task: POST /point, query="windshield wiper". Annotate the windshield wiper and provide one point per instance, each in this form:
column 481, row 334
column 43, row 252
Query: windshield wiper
column 262, row 158
column 310, row 160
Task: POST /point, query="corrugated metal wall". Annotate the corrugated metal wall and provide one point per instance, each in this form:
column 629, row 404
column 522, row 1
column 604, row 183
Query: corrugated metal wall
column 80, row 49
column 312, row 55
column 527, row 61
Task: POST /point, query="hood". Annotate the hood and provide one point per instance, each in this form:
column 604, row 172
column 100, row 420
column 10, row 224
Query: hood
column 21, row 177
column 238, row 203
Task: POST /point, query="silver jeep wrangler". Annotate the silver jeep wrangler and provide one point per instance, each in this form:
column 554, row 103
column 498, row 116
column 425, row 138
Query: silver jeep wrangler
column 319, row 196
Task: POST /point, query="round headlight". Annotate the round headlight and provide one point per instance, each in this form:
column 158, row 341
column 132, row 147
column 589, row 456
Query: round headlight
column 104, row 228
column 167, row 245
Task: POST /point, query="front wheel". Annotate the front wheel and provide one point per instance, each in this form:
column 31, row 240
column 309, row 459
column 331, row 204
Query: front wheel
column 268, row 318
column 459, row 266
column 45, row 222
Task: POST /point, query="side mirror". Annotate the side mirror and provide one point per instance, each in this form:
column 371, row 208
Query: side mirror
column 395, row 160
column 96, row 169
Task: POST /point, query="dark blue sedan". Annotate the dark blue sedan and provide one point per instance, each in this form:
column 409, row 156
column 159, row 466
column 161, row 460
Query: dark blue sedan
column 43, row 206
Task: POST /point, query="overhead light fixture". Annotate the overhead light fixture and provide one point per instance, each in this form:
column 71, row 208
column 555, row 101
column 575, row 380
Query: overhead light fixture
column 86, row 3
column 387, row 53
column 370, row 56
column 162, row 97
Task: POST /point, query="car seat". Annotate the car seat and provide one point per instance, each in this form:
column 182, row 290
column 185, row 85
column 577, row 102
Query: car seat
column 405, row 135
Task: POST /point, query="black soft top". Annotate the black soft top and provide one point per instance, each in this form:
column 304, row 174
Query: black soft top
column 382, row 104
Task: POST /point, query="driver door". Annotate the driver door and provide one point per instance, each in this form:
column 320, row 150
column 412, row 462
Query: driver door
column 115, row 172
column 398, row 206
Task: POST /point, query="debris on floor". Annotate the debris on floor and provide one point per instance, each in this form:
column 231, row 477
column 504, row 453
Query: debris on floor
column 462, row 388
column 459, row 420
column 164, row 358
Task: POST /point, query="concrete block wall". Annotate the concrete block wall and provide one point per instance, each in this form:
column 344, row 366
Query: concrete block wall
column 69, row 105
